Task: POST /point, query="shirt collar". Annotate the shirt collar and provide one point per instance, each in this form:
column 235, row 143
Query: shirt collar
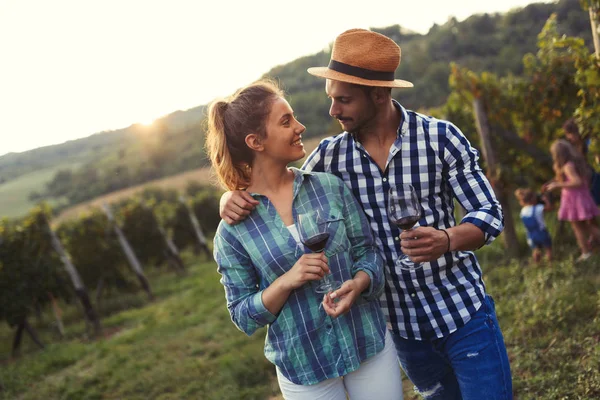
column 404, row 126
column 299, row 176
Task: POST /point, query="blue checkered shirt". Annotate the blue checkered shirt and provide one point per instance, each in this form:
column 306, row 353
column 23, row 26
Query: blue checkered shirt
column 436, row 158
column 306, row 344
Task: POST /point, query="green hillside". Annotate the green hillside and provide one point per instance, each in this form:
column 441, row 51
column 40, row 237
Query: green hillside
column 110, row 161
column 15, row 194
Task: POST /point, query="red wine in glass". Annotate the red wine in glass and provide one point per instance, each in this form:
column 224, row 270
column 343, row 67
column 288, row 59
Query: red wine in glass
column 317, row 243
column 312, row 229
column 404, row 211
column 406, row 223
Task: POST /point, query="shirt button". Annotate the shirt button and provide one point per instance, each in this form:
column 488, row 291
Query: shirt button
column 397, row 238
column 413, row 294
column 385, row 179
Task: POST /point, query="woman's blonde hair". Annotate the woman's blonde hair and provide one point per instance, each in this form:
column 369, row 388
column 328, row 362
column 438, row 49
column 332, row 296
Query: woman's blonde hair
column 230, row 120
column 563, row 152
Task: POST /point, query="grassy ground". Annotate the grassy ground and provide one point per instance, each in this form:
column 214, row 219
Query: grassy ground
column 183, row 345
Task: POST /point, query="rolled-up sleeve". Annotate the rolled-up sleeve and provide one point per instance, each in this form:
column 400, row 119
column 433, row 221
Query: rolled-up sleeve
column 363, row 251
column 470, row 185
column 241, row 283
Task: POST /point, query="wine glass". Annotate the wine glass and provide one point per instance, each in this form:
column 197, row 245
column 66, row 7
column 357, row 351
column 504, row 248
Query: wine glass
column 404, row 210
column 312, row 229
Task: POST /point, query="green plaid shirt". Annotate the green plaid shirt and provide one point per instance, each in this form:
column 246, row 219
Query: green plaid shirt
column 305, row 343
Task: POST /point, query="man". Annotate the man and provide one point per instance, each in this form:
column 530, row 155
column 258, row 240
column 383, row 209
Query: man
column 444, row 325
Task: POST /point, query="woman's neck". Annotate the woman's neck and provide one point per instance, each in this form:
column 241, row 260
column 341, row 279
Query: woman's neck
column 268, row 177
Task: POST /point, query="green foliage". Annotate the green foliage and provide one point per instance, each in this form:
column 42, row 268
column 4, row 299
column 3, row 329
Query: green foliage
column 206, row 207
column 588, row 110
column 140, row 226
column 183, row 346
column 549, row 92
column 95, row 252
column 182, row 228
column 595, row 4
column 534, row 106
column 486, row 42
column 29, row 270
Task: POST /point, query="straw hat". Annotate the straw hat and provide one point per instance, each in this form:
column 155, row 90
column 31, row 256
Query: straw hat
column 365, row 58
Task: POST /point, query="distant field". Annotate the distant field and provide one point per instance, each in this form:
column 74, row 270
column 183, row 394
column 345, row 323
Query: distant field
column 14, row 194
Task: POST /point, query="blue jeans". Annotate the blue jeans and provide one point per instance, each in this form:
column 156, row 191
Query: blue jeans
column 470, row 363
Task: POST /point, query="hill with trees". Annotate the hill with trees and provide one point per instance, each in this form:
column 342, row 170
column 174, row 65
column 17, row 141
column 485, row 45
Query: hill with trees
column 108, row 161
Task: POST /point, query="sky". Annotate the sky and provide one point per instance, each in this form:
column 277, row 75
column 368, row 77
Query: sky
column 69, row 69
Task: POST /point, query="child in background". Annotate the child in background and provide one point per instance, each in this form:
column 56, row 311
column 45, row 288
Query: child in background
column 532, row 215
column 576, row 203
column 582, row 145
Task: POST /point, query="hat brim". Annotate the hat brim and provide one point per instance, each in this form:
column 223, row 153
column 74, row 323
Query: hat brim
column 324, row 72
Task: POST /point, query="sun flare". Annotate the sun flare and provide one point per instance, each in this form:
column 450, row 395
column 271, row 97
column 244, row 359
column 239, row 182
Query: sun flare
column 147, row 122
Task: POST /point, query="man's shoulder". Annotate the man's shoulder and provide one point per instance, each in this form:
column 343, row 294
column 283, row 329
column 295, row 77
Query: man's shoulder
column 330, row 150
column 427, row 120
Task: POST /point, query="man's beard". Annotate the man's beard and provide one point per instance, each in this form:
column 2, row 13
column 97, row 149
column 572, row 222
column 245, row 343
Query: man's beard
column 361, row 124
column 355, row 130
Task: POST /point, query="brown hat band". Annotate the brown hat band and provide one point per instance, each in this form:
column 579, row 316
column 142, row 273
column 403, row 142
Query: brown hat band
column 360, row 72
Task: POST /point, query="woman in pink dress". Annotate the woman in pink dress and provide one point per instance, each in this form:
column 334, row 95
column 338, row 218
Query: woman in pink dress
column 576, row 203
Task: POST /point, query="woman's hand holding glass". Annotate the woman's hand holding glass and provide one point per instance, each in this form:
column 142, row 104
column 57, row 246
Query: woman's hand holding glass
column 309, row 267
column 313, row 232
column 340, row 301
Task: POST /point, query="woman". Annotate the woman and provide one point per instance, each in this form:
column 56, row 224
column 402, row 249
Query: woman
column 267, row 273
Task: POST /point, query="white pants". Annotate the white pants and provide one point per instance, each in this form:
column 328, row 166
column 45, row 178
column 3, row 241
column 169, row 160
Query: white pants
column 377, row 378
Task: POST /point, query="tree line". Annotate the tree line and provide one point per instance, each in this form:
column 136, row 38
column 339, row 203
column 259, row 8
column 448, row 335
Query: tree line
column 492, row 43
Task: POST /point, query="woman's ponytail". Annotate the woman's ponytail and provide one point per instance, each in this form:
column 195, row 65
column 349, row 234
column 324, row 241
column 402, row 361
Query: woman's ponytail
column 230, row 176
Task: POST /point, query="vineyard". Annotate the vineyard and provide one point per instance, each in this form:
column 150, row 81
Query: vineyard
column 183, row 344
column 103, row 249
column 121, row 299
